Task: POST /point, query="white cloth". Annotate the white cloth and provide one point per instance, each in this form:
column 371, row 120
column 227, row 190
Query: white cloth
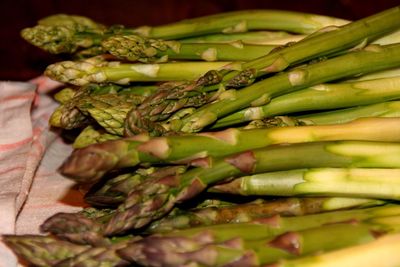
column 30, row 188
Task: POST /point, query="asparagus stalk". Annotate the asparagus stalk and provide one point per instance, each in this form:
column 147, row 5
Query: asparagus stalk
column 385, row 109
column 185, row 251
column 98, row 256
column 69, row 34
column 137, row 48
column 97, row 70
column 232, row 213
column 154, row 198
column 115, row 190
column 381, row 252
column 277, row 225
column 94, row 99
column 253, row 37
column 254, row 210
column 90, row 163
column 108, row 110
column 316, row 46
column 241, row 21
column 91, row 135
column 378, row 75
column 350, row 64
column 320, row 97
column 64, row 33
column 64, row 95
column 37, row 250
column 76, row 228
column 48, row 251
column 368, row 182
column 42, row 250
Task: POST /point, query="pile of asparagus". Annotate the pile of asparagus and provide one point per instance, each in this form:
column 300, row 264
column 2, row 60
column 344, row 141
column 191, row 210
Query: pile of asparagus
column 249, row 138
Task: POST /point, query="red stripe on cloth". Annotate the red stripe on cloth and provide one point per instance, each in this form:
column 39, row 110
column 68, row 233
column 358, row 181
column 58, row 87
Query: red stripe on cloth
column 22, row 96
column 14, row 145
column 15, row 168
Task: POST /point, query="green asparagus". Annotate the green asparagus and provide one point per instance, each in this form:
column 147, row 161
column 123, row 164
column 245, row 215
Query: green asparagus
column 75, row 228
column 382, row 252
column 350, row 64
column 92, row 135
column 384, row 109
column 254, row 210
column 98, row 70
column 88, row 164
column 251, row 37
column 137, row 48
column 320, row 97
column 43, row 250
column 313, row 47
column 115, row 189
column 170, row 251
column 154, row 198
column 69, row 34
column 327, row 180
column 363, row 182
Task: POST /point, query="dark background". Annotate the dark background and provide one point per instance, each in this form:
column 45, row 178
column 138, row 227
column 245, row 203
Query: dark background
column 21, row 61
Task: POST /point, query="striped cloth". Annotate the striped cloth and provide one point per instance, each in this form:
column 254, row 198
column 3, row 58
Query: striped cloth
column 30, row 188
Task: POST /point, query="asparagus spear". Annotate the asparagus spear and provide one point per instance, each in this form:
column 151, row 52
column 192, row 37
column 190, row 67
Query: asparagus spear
column 137, row 48
column 86, row 227
column 108, row 110
column 64, row 33
column 93, row 99
column 271, row 226
column 153, row 198
column 115, row 190
column 382, row 252
column 75, row 228
column 277, row 225
column 167, row 251
column 252, row 37
column 262, row 229
column 42, row 250
column 48, row 251
column 64, row 95
column 98, row 256
column 68, row 34
column 91, row 135
column 320, row 97
column 240, row 21
column 90, row 163
column 378, row 75
column 97, row 70
column 385, row 109
column 254, row 210
column 313, row 47
column 350, row 64
column 368, row 182
column 266, row 228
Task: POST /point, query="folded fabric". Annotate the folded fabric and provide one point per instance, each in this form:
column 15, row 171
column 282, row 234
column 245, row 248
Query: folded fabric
column 30, row 189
